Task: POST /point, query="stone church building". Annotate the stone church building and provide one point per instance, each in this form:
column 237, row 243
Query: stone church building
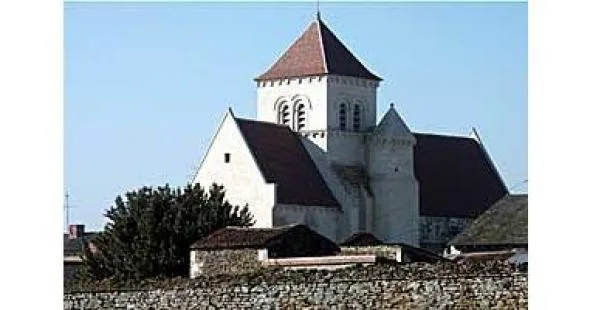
column 316, row 155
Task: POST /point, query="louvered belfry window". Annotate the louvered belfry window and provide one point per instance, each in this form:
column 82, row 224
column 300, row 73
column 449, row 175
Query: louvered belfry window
column 300, row 117
column 356, row 118
column 284, row 114
column 342, row 116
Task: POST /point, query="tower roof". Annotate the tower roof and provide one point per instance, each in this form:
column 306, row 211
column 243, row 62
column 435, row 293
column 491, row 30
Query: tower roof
column 392, row 124
column 317, row 52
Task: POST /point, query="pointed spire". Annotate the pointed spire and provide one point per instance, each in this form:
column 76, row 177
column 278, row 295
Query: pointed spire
column 317, row 52
column 318, row 13
column 392, row 124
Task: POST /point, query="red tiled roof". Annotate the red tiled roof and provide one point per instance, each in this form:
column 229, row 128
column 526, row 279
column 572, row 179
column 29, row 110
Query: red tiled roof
column 283, row 160
column 240, row 237
column 296, row 239
column 317, row 52
column 456, row 178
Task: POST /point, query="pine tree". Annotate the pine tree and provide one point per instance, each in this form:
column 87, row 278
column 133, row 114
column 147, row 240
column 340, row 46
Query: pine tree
column 149, row 233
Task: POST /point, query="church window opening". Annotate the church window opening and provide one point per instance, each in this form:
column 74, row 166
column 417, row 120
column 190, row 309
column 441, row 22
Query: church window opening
column 342, row 115
column 300, row 117
column 356, row 118
column 226, row 157
column 284, row 115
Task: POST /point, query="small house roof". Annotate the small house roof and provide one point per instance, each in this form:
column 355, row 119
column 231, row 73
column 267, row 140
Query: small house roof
column 258, row 238
column 361, row 239
column 504, row 223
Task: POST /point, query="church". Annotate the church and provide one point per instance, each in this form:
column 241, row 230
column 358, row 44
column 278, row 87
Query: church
column 316, row 155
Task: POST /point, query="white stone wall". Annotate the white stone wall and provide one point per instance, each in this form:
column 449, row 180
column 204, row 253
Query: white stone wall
column 322, row 96
column 310, row 90
column 347, row 148
column 348, row 220
column 324, row 220
column 243, row 181
column 396, row 190
column 195, row 265
column 351, row 91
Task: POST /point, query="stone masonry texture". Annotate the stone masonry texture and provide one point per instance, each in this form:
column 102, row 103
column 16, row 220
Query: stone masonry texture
column 489, row 285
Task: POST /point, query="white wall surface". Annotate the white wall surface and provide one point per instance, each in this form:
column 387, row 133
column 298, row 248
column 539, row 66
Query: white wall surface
column 324, row 220
column 310, row 90
column 352, row 91
column 241, row 177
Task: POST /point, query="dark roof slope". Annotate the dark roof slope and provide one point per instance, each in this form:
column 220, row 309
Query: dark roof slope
column 76, row 246
column 504, row 223
column 456, row 177
column 240, row 237
column 283, row 160
column 419, row 254
column 288, row 237
column 361, row 239
column 317, row 52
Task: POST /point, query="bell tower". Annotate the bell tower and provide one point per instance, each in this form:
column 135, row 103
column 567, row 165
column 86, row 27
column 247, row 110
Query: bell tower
column 318, row 87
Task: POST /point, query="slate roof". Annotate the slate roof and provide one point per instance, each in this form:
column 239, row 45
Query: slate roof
column 261, row 238
column 504, row 223
column 456, row 177
column 76, row 246
column 361, row 239
column 317, row 52
column 283, row 160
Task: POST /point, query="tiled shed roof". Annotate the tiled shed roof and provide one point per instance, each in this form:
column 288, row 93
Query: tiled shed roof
column 260, row 238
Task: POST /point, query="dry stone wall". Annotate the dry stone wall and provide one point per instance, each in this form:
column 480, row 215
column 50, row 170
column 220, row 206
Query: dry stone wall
column 224, row 261
column 412, row 286
column 390, row 252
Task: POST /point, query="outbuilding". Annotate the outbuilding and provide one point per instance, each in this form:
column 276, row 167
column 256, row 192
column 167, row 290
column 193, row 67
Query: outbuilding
column 364, row 243
column 233, row 250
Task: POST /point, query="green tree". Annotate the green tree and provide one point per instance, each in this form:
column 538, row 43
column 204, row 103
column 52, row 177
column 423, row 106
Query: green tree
column 149, row 233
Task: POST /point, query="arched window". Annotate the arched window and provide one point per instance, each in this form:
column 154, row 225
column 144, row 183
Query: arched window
column 284, row 115
column 356, row 118
column 342, row 116
column 299, row 116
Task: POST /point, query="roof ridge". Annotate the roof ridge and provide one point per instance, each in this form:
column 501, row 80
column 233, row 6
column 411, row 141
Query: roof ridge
column 260, row 122
column 262, row 228
column 457, row 136
column 319, row 22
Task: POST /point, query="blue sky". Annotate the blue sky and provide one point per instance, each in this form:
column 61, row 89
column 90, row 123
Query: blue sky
column 146, row 84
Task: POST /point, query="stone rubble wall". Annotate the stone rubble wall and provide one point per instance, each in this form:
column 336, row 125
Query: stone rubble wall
column 412, row 286
column 225, row 261
column 385, row 251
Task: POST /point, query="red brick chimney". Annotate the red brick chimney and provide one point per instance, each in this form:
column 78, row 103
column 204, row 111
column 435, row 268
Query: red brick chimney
column 75, row 231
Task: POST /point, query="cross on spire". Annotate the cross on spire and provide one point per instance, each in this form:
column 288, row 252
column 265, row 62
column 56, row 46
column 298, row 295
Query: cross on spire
column 318, row 14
